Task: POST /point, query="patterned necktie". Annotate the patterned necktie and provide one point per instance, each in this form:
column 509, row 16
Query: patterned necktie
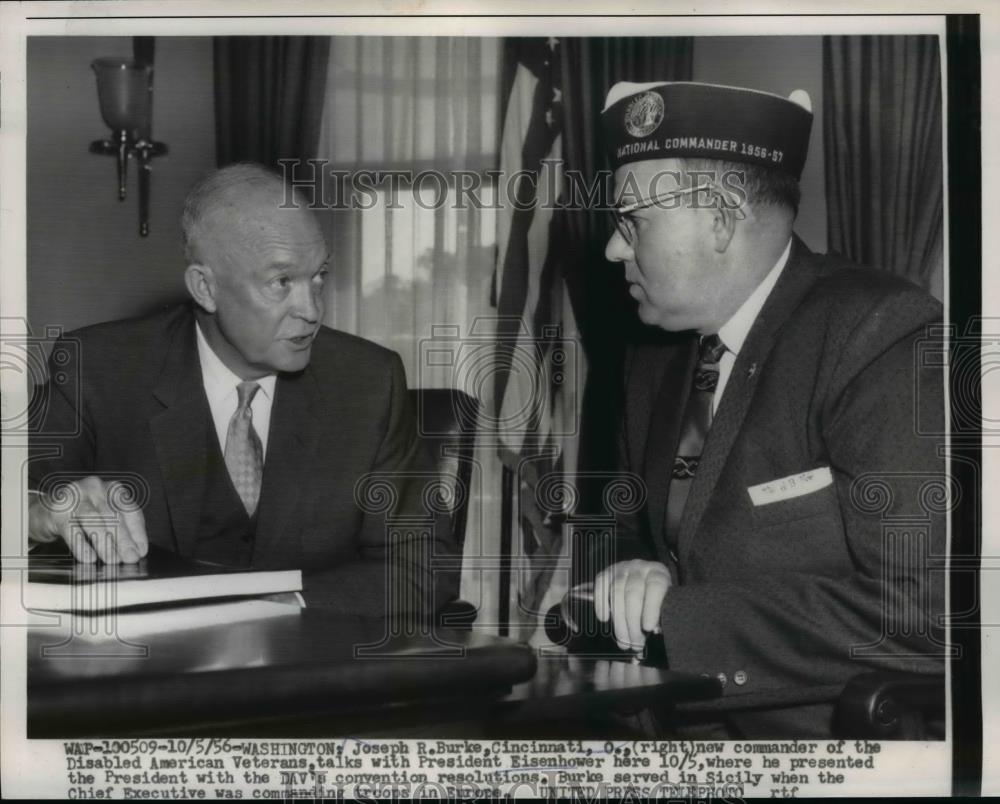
column 244, row 454
column 694, row 428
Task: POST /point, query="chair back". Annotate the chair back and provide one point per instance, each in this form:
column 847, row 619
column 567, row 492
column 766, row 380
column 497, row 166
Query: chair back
column 446, row 424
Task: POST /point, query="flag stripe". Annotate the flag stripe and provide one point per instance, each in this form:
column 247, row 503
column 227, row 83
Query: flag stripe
column 535, row 369
column 528, row 138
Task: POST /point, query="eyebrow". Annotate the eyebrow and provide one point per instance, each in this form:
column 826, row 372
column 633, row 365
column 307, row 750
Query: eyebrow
column 276, row 267
column 276, row 270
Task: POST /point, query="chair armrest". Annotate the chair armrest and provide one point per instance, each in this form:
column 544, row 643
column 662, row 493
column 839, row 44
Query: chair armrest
column 891, row 706
column 458, row 615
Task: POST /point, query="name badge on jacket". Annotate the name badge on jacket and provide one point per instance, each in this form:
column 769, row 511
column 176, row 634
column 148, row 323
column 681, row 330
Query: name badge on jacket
column 785, row 488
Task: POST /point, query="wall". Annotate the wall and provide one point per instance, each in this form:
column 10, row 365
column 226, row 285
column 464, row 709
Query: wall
column 86, row 261
column 779, row 65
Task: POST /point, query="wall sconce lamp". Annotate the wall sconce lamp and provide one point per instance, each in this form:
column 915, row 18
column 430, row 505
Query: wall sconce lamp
column 125, row 92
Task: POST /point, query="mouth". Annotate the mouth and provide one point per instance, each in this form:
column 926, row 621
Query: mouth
column 302, row 341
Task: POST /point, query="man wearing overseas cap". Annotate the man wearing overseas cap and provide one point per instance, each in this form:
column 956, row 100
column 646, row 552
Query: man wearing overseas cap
column 776, row 426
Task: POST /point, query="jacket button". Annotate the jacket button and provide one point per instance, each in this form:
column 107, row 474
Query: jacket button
column 740, row 678
column 722, row 679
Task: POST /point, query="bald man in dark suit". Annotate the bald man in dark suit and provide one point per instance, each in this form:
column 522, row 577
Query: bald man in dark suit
column 244, row 422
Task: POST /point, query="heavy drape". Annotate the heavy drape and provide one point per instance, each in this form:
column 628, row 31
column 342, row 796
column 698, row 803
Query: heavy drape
column 269, row 97
column 882, row 117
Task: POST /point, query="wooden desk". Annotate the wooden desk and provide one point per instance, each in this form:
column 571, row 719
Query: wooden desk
column 306, row 672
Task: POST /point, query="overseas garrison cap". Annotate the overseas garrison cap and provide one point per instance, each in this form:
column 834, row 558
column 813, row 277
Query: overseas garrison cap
column 685, row 119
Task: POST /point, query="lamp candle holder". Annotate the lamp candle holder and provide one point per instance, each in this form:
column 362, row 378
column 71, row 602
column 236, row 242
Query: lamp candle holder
column 125, row 92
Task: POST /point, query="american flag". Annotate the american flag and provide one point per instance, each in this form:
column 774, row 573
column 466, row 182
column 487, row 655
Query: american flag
column 537, row 367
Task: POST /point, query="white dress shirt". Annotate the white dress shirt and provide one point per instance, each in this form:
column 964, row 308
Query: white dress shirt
column 734, row 332
column 220, row 388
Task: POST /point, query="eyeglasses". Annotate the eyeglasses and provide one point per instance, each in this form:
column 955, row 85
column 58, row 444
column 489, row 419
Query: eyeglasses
column 626, row 226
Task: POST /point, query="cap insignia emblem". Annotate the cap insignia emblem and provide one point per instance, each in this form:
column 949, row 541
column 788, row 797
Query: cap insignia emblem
column 644, row 114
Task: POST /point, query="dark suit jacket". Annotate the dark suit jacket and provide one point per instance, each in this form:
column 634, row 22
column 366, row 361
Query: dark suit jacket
column 788, row 600
column 133, row 395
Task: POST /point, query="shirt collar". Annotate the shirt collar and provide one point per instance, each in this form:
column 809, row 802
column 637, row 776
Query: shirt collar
column 734, row 332
column 218, row 378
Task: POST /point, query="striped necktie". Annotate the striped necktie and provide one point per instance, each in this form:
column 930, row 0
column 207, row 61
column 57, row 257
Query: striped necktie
column 694, row 429
column 244, row 454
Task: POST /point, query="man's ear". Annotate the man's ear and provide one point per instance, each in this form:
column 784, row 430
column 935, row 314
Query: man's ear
column 201, row 285
column 724, row 217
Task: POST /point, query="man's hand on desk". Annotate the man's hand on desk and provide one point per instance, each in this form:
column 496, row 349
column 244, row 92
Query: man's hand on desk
column 95, row 527
column 630, row 594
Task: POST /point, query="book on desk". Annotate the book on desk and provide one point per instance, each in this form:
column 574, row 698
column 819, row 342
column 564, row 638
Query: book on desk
column 57, row 583
column 214, row 650
column 196, row 649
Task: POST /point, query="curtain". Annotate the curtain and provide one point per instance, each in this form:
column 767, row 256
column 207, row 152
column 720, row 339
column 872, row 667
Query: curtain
column 269, row 97
column 413, row 252
column 883, row 148
column 412, row 257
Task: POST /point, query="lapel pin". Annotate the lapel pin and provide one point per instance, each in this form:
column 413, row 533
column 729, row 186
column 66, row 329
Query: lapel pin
column 752, row 370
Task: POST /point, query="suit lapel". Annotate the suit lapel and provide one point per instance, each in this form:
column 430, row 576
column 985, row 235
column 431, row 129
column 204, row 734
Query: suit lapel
column 288, row 466
column 663, row 420
column 796, row 279
column 180, row 433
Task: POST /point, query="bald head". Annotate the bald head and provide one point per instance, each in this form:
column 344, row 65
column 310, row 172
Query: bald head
column 256, row 266
column 234, row 203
